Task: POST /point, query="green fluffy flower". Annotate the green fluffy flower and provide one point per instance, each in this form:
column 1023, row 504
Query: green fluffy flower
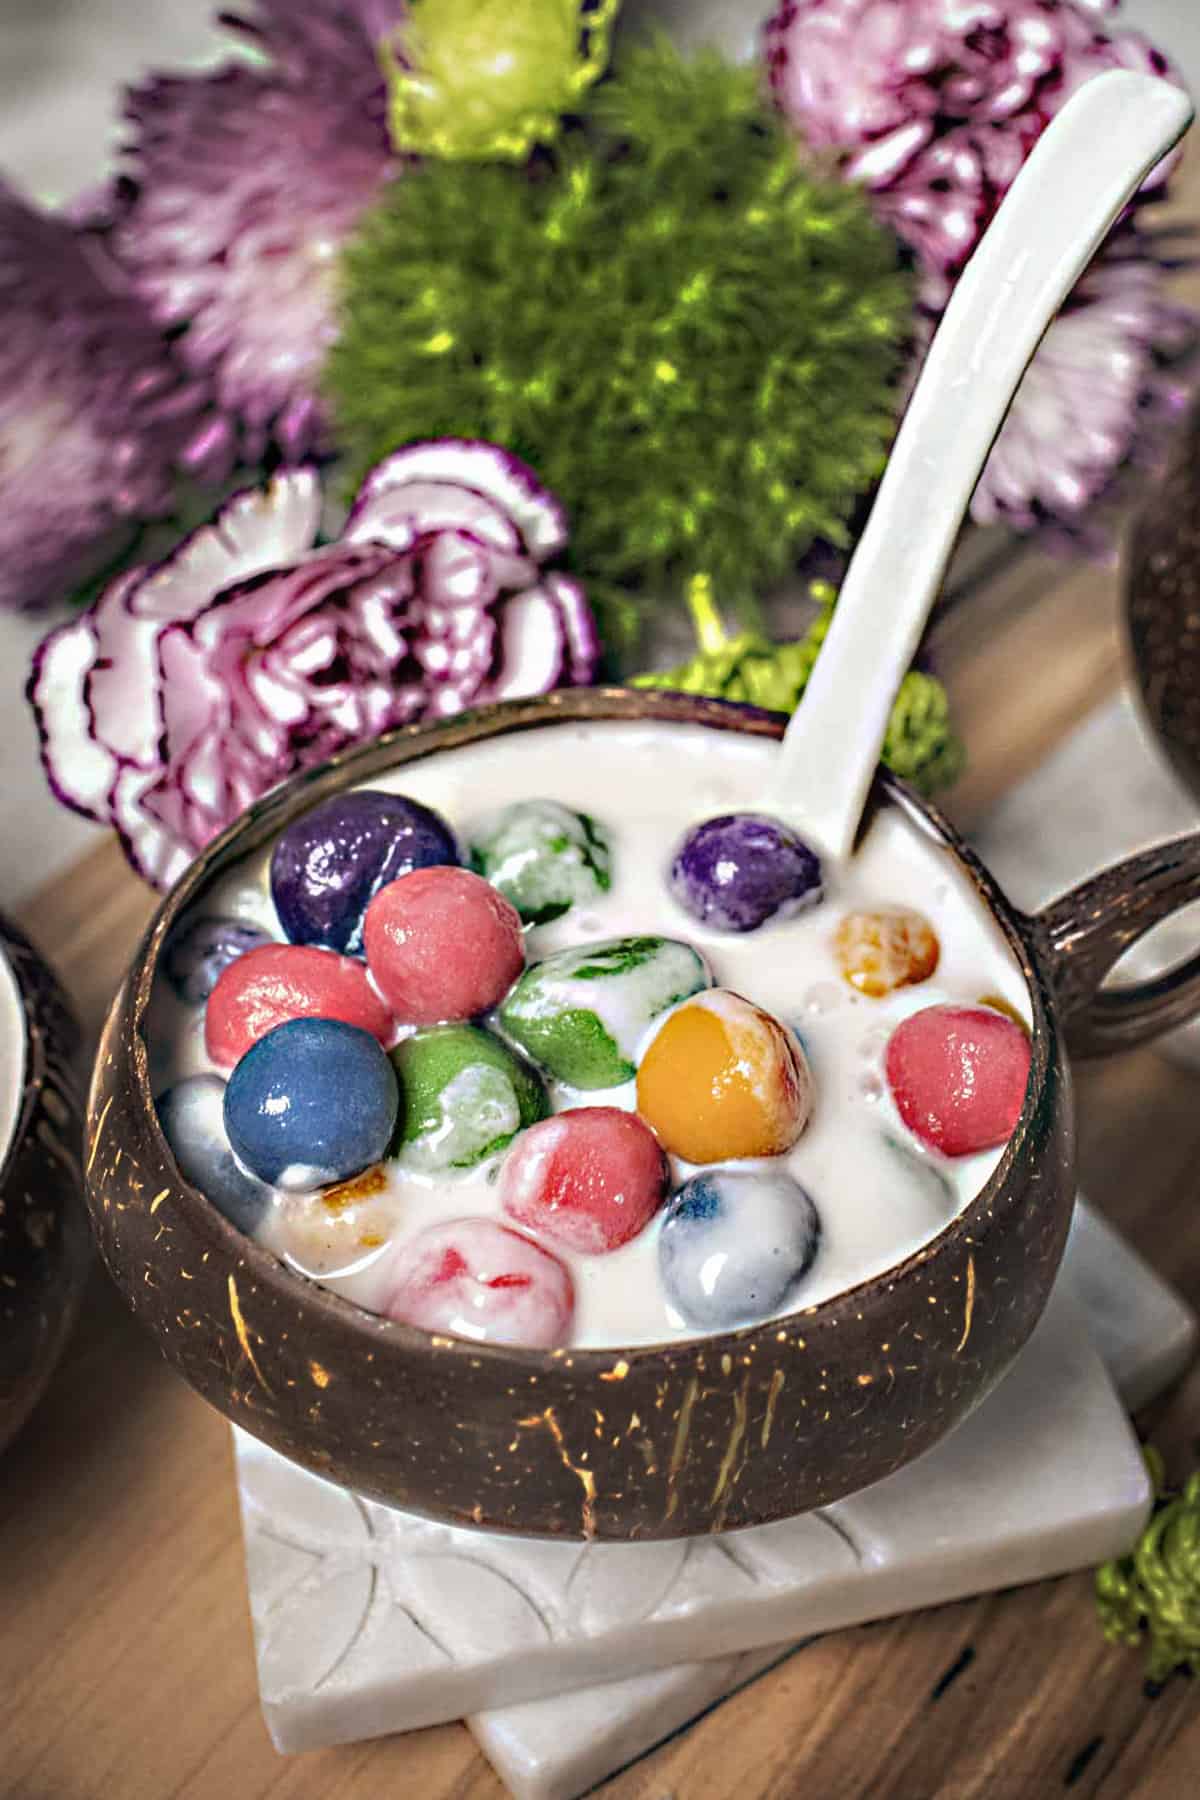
column 920, row 746
column 1152, row 1596
column 491, row 78
column 694, row 341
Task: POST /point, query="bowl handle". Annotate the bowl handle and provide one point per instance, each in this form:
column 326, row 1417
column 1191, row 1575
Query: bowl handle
column 1083, row 933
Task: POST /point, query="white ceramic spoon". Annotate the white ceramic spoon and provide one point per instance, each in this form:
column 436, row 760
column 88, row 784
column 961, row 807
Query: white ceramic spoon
column 1084, row 168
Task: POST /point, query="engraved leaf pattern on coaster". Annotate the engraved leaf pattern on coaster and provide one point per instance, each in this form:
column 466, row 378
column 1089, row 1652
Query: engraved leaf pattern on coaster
column 475, row 1598
column 340, row 1579
column 286, row 1503
column 819, row 1544
column 342, row 1574
column 618, row 1584
column 293, row 1652
column 277, row 1568
column 558, row 1590
column 316, row 1547
column 311, row 1542
column 345, row 1577
column 480, row 1612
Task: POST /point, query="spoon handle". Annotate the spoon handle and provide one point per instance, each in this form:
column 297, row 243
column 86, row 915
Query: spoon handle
column 1084, row 168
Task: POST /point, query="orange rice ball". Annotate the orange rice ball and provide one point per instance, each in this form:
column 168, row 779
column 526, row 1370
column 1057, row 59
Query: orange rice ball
column 723, row 1079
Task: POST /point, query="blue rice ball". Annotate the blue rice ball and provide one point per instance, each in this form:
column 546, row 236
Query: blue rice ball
column 735, row 1246
column 311, row 1103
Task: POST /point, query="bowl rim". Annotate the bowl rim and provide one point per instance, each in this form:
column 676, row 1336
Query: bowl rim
column 262, row 820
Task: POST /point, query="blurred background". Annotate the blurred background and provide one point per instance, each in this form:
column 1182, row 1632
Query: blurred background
column 62, row 62
column 62, row 66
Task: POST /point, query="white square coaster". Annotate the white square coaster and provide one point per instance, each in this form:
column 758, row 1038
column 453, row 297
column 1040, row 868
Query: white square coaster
column 369, row 1621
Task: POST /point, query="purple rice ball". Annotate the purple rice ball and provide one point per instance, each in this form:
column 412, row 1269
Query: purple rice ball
column 735, row 872
column 328, row 866
column 201, row 952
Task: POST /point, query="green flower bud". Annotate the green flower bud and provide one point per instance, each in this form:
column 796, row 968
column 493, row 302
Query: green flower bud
column 484, row 79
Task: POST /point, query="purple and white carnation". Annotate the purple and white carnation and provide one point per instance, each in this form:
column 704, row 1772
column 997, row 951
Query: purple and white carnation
column 191, row 688
column 96, row 416
column 242, row 187
column 933, row 105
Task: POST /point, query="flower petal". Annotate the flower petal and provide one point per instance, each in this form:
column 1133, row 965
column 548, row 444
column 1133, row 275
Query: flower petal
column 400, row 516
column 579, row 625
column 79, row 768
column 256, row 529
column 494, row 475
column 156, row 854
column 533, row 646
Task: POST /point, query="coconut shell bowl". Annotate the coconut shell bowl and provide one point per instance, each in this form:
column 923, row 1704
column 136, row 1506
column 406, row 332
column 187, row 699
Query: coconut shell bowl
column 45, row 1249
column 698, row 1435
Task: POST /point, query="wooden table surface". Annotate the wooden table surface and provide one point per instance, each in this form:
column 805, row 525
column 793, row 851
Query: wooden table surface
column 126, row 1669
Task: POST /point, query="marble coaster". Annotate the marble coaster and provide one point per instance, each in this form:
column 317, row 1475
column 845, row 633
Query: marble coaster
column 1145, row 1334
column 368, row 1620
column 561, row 1746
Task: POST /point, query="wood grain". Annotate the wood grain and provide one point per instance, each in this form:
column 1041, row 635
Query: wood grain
column 125, row 1658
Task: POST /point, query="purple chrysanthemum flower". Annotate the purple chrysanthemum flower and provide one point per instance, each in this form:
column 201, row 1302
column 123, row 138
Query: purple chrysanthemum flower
column 1097, row 397
column 244, row 185
column 95, row 416
column 933, row 105
column 191, row 688
column 315, row 41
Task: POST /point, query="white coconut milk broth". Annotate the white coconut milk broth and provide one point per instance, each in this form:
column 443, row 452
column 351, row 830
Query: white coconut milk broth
column 12, row 1055
column 879, row 1194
